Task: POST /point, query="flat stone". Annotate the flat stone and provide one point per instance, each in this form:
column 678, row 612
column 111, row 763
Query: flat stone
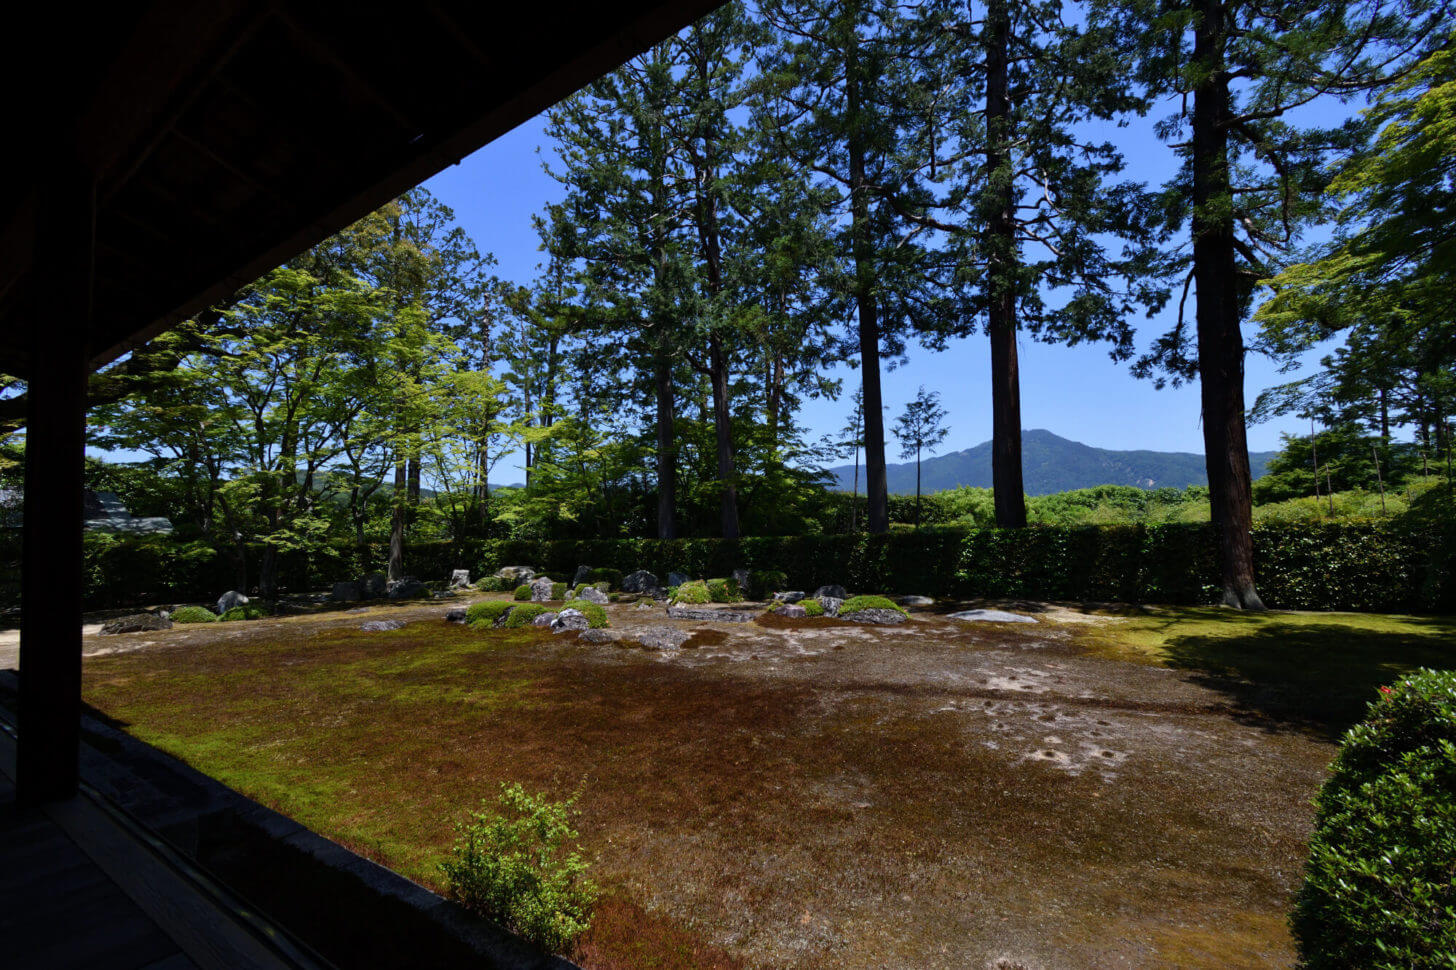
column 662, row 637
column 790, row 596
column 915, row 601
column 792, row 609
column 358, row 609
column 598, row 636
column 137, row 623
column 381, row 626
column 708, row 614
column 992, row 616
column 879, row 616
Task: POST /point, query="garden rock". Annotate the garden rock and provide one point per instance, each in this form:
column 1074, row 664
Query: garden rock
column 599, row 636
column 228, row 600
column 346, row 593
column 407, row 589
column 381, row 626
column 740, row 576
column 373, row 586
column 644, row 605
column 593, row 595
column 456, row 615
column 992, row 616
column 879, row 616
column 832, row 591
column 460, row 579
column 831, row 604
column 789, row 596
column 792, row 609
column 545, row 619
column 541, row 590
column 658, row 593
column 662, row 637
column 638, row 582
column 516, row 575
column 137, row 623
column 708, row 614
column 570, row 620
column 915, row 601
column 677, row 579
column 582, row 574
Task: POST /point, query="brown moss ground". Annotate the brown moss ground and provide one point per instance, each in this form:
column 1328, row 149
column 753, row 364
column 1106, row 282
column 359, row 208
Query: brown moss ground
column 936, row 794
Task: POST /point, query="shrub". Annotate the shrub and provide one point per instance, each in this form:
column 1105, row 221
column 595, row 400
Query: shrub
column 194, row 614
column 558, row 591
column 763, row 583
column 724, row 590
column 614, row 597
column 248, row 611
column 522, row 615
column 812, row 607
column 693, row 593
column 492, row 584
column 612, row 577
column 855, row 603
column 1380, row 884
column 512, row 865
column 490, row 611
column 594, row 613
column 522, row 592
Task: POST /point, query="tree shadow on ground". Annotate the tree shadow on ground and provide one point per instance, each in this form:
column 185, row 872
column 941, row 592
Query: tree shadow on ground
column 1317, row 676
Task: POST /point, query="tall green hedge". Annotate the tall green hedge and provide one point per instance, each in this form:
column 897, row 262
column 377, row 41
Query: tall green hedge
column 1389, row 568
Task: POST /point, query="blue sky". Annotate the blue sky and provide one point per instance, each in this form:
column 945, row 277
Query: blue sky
column 1076, row 392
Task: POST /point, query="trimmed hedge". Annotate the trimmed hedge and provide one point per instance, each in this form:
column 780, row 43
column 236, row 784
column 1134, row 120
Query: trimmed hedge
column 522, row 593
column 490, row 611
column 194, row 614
column 248, row 611
column 1380, row 885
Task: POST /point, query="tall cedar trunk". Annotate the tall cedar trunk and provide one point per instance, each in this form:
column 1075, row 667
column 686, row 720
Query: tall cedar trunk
column 917, row 486
column 1006, row 477
column 1220, row 340
column 396, row 524
column 666, row 451
column 723, row 423
column 876, row 492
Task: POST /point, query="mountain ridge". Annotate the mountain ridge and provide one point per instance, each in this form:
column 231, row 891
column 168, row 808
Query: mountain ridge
column 1050, row 463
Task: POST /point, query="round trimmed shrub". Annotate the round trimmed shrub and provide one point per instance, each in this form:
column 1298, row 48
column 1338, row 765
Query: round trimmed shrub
column 595, row 615
column 492, row 584
column 194, row 614
column 855, row 603
column 694, row 593
column 522, row 615
column 812, row 607
column 1380, row 885
column 490, row 611
column 523, row 593
column 248, row 611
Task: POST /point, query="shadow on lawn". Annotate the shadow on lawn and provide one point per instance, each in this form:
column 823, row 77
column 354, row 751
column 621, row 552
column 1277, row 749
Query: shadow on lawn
column 1317, row 676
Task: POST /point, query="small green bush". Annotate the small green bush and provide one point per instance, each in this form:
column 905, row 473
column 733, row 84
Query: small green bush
column 1380, row 885
column 513, row 865
column 594, row 613
column 724, row 591
column 694, row 593
column 812, row 607
column 194, row 614
column 522, row 615
column 763, row 583
column 490, row 611
column 558, row 591
column 869, row 603
column 248, row 611
column 614, row 597
column 492, row 584
column 523, row 593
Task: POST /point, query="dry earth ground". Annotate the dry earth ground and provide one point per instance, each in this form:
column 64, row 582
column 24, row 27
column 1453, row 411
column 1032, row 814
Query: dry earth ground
column 807, row 793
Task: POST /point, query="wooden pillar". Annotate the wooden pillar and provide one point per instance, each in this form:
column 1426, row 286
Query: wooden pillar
column 51, row 556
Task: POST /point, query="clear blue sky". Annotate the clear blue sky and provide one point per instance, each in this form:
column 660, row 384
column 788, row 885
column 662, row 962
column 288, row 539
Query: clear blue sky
column 1078, row 393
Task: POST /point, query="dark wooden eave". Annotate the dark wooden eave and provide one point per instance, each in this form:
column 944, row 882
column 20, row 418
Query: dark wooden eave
column 222, row 138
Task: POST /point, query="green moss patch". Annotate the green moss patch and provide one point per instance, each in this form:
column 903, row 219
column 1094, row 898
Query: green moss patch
column 489, row 612
column 593, row 612
column 693, row 593
column 194, row 614
column 857, row 603
column 522, row 615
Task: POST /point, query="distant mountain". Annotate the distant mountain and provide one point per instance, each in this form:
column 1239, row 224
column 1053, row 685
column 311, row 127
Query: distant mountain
column 1051, row 464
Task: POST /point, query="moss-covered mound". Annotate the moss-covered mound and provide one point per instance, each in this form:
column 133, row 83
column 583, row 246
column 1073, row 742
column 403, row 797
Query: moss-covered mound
column 522, row 615
column 523, row 593
column 248, row 611
column 194, row 614
column 812, row 607
column 492, row 584
column 856, row 603
column 491, row 611
column 558, row 591
column 595, row 615
column 693, row 593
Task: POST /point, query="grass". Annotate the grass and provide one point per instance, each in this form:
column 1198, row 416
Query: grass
column 1322, row 668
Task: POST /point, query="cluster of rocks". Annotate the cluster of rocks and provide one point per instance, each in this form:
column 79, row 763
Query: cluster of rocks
column 377, row 586
column 560, row 621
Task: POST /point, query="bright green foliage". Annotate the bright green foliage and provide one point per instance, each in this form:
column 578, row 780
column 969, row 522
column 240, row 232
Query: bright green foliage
column 490, row 611
column 869, row 603
column 513, row 865
column 194, row 614
column 523, row 592
column 248, row 611
column 1380, row 884
column 523, row 614
column 694, row 593
column 595, row 615
column 812, row 607
column 492, row 584
column 763, row 583
column 724, row 591
column 558, row 591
